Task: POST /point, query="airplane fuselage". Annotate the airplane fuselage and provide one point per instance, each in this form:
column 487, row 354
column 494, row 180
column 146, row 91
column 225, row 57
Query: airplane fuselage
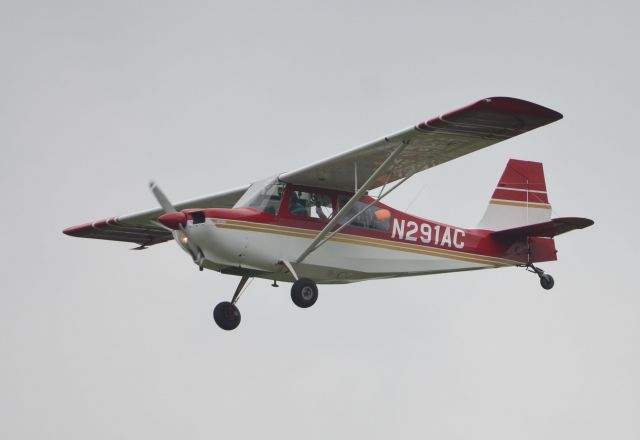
column 245, row 240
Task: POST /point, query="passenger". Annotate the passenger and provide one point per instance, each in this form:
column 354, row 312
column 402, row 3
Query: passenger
column 297, row 206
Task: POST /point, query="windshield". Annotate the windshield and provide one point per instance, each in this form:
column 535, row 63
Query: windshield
column 264, row 195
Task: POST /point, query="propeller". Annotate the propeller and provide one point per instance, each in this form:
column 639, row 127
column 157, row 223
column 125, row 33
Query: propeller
column 162, row 199
column 176, row 221
column 172, row 218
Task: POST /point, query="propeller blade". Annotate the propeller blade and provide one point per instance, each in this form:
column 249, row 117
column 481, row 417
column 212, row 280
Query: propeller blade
column 175, row 222
column 161, row 198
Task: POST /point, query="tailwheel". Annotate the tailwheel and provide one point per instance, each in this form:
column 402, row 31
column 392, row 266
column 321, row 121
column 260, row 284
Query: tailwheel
column 304, row 293
column 546, row 281
column 226, row 315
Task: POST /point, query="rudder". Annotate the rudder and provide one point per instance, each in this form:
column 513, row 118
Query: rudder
column 520, row 198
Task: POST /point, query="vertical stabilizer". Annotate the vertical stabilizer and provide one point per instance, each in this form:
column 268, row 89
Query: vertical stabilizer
column 520, row 198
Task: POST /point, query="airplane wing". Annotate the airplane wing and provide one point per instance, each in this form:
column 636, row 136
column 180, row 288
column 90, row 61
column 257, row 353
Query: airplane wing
column 430, row 143
column 426, row 145
column 140, row 227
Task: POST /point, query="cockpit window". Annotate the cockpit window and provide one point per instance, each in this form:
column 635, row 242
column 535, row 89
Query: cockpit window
column 265, row 196
column 310, row 204
column 374, row 217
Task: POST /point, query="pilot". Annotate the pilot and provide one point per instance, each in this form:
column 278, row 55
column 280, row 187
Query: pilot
column 297, row 206
column 319, row 210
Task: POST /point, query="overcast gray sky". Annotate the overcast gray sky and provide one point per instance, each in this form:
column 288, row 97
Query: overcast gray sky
column 100, row 342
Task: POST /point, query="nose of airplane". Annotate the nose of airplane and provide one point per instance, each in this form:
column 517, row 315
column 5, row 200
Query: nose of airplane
column 173, row 220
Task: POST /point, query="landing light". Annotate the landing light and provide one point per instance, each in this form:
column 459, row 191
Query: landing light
column 184, row 239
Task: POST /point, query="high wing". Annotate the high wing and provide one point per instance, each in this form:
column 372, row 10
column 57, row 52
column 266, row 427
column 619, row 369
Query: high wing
column 141, row 227
column 395, row 157
column 430, row 143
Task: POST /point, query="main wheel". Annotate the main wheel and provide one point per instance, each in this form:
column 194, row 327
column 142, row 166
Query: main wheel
column 226, row 315
column 304, row 293
column 546, row 281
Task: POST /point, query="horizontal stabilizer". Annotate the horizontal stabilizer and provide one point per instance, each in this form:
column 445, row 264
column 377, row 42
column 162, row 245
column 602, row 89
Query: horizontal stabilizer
column 548, row 229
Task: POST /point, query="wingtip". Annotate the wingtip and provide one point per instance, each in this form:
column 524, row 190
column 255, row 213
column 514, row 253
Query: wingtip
column 510, row 104
column 77, row 231
column 526, row 114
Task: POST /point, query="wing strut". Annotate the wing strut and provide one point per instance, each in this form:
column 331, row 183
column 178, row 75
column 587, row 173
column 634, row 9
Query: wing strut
column 353, row 217
column 327, row 229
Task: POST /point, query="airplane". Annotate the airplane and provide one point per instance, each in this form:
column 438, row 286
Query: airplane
column 323, row 224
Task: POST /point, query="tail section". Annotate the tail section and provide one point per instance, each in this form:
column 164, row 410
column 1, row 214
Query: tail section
column 520, row 198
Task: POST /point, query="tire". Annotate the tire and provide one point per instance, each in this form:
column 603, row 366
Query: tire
column 304, row 293
column 547, row 282
column 226, row 315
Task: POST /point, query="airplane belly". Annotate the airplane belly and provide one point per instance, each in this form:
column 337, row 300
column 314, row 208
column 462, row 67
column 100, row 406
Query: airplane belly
column 372, row 260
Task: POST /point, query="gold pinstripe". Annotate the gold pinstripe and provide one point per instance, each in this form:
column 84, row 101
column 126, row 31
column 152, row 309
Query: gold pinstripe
column 521, row 204
column 365, row 241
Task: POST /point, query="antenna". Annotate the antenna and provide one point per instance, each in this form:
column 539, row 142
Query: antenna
column 527, row 201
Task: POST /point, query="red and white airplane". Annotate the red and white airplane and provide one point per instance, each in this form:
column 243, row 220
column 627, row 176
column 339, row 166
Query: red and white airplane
column 320, row 225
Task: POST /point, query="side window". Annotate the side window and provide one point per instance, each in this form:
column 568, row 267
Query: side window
column 373, row 217
column 310, row 204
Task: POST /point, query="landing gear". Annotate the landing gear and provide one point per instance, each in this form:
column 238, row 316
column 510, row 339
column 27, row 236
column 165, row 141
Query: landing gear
column 226, row 314
column 546, row 280
column 304, row 293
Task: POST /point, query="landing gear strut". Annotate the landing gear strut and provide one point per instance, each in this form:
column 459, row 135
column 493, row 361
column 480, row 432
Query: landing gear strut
column 226, row 314
column 546, row 280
